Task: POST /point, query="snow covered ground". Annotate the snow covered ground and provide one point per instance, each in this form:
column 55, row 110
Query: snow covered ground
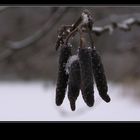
column 36, row 102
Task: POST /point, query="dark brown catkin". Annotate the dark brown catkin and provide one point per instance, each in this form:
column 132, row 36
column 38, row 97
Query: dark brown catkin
column 99, row 74
column 74, row 83
column 62, row 79
column 86, row 72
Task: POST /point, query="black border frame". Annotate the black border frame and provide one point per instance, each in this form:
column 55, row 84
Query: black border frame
column 120, row 124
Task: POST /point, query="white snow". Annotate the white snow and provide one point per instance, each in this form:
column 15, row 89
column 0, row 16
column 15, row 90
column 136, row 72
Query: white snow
column 59, row 36
column 36, row 102
column 85, row 18
column 70, row 61
column 68, row 30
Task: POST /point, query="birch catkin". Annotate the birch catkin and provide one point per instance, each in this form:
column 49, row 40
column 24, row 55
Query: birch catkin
column 62, row 79
column 85, row 62
column 74, row 83
column 79, row 71
column 99, row 74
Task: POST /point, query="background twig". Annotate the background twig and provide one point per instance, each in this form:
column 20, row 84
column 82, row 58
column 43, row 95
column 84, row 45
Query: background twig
column 40, row 33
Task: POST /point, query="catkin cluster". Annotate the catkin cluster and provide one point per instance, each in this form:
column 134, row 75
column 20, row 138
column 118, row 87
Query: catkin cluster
column 80, row 75
column 79, row 72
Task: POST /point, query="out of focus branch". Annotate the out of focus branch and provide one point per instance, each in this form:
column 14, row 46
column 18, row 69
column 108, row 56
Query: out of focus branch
column 5, row 54
column 3, row 8
column 18, row 45
column 41, row 32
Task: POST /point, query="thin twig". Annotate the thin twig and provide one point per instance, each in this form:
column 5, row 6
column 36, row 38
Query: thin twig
column 65, row 31
column 72, row 33
column 91, row 38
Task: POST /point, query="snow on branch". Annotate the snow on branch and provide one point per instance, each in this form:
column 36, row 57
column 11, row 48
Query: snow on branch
column 124, row 25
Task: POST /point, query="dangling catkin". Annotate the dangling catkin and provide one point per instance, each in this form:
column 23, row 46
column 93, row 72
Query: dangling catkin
column 62, row 79
column 99, row 74
column 85, row 61
column 74, row 83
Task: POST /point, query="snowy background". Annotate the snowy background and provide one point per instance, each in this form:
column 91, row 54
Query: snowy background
column 36, row 102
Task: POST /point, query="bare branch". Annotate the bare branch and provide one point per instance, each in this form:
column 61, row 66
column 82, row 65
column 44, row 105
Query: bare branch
column 40, row 33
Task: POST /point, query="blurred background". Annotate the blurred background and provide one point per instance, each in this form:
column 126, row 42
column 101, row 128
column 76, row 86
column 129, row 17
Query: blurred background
column 29, row 63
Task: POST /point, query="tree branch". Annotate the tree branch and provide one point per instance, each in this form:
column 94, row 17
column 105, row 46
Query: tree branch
column 40, row 33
